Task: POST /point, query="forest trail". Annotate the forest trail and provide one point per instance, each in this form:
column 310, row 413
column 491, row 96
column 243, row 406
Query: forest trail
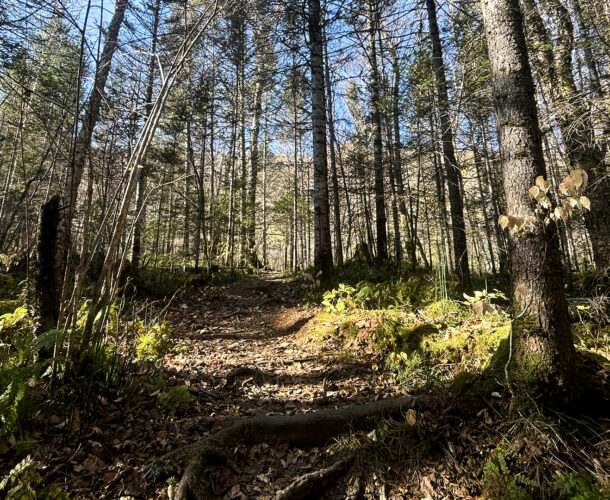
column 246, row 350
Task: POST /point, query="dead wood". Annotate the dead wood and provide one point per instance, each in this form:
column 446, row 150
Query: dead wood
column 305, row 430
column 313, row 482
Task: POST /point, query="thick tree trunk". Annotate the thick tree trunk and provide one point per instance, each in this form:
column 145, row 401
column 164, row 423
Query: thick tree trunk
column 49, row 264
column 323, row 254
column 454, row 175
column 543, row 350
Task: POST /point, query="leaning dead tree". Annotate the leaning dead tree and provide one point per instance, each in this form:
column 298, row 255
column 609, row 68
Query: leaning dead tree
column 115, row 259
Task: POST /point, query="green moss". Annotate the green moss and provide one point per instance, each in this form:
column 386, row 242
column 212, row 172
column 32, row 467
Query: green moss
column 441, row 309
column 8, row 306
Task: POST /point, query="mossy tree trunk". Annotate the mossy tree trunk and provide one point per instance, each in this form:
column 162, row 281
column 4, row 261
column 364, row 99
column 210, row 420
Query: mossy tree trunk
column 543, row 357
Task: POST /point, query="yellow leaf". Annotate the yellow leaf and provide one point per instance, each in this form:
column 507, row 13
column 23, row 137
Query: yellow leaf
column 503, row 221
column 529, row 219
column 545, row 202
column 579, row 178
column 542, row 184
column 411, row 417
column 514, row 222
column 585, row 202
column 534, row 191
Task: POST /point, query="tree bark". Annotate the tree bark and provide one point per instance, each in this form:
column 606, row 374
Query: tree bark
column 544, row 357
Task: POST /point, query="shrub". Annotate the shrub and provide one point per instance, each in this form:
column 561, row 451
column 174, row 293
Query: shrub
column 577, row 486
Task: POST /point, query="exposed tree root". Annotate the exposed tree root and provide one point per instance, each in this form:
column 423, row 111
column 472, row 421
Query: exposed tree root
column 305, row 430
column 315, row 481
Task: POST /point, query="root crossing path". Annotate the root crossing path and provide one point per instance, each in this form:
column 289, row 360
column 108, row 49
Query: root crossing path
column 256, row 400
column 245, row 351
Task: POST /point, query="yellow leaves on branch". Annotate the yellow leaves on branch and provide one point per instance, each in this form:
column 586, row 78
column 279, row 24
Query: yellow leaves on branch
column 511, row 222
column 571, row 188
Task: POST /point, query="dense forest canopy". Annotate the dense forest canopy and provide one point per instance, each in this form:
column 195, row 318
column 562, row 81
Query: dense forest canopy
column 144, row 142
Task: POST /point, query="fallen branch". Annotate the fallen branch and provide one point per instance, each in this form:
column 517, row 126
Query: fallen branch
column 305, row 430
column 311, row 483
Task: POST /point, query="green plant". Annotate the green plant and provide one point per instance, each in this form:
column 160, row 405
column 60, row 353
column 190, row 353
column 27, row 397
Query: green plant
column 500, row 483
column 153, row 340
column 576, row 486
column 339, row 299
column 174, row 400
column 22, row 481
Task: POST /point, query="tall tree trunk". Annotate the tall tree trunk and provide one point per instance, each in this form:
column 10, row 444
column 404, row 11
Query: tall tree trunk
column 380, row 214
column 451, row 165
column 439, row 180
column 323, row 253
column 406, row 221
column 254, row 155
column 82, row 145
column 544, row 353
column 188, row 165
column 554, row 70
column 488, row 235
column 83, row 142
column 200, row 177
column 141, row 189
column 333, row 160
column 264, row 200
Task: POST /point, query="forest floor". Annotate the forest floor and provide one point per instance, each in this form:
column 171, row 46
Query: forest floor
column 246, row 349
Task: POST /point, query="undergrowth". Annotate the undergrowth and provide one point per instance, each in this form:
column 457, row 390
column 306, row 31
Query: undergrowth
column 432, row 338
column 49, row 373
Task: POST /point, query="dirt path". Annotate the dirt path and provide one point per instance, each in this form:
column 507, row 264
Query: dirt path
column 243, row 350
column 247, row 351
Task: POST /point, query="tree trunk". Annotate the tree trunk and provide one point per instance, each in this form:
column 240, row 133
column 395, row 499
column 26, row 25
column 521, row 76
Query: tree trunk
column 333, row 160
column 83, row 142
column 323, row 254
column 380, row 214
column 554, row 70
column 544, row 357
column 255, row 132
column 141, row 189
column 47, row 285
column 451, row 165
